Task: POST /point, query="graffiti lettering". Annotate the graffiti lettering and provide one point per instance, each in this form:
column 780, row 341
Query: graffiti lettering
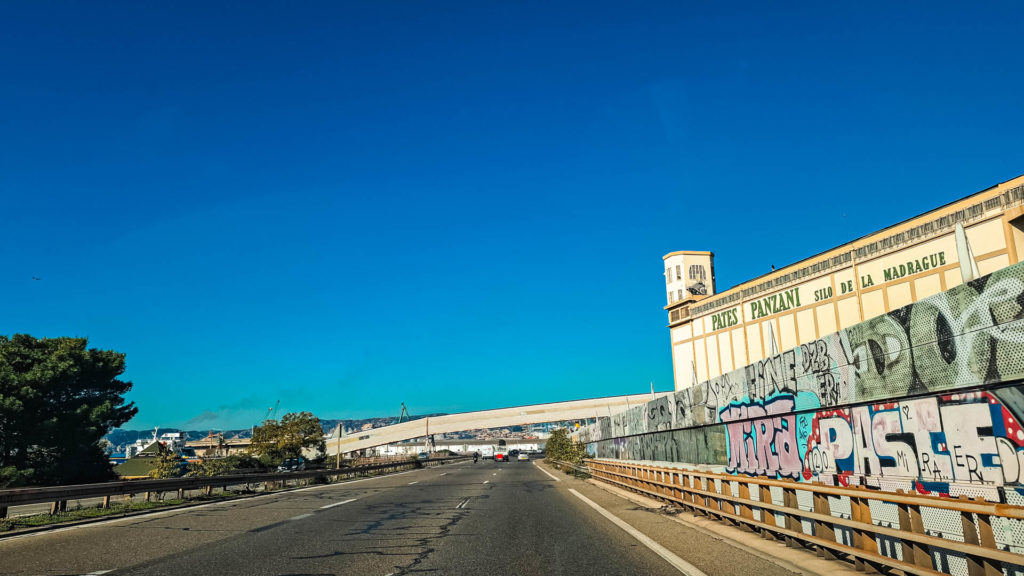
column 772, row 375
column 760, row 442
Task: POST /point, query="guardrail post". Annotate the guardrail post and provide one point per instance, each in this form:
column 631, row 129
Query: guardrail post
column 681, row 491
column 792, row 520
column 822, row 529
column 977, row 565
column 719, row 503
column 106, row 502
column 863, row 537
column 767, row 516
column 3, row 512
column 702, row 483
column 58, row 506
column 913, row 552
column 746, row 510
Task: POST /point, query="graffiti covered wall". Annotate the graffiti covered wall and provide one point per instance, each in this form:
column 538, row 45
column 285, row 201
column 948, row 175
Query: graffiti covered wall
column 925, row 397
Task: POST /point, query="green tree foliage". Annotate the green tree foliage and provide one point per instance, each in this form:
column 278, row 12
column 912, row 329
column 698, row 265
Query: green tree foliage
column 170, row 464
column 57, row 400
column 279, row 439
column 234, row 464
column 560, row 447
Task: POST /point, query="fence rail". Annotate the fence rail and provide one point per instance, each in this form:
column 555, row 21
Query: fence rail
column 748, row 502
column 61, row 494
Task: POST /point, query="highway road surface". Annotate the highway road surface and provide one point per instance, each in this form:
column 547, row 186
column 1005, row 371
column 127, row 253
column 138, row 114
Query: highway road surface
column 487, row 518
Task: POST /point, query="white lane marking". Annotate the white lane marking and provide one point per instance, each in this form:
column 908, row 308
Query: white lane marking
column 495, row 474
column 486, row 481
column 300, row 517
column 338, row 503
column 553, row 477
column 443, row 473
column 462, row 504
column 98, row 573
column 334, row 485
column 416, row 482
column 677, row 562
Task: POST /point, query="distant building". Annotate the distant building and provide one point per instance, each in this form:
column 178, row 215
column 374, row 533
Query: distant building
column 175, row 441
column 217, row 446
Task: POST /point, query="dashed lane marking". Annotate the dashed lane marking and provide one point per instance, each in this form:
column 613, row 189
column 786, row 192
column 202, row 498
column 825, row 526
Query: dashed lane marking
column 416, row 482
column 486, row 481
column 462, row 504
column 338, row 503
column 553, row 477
column 677, row 562
column 300, row 517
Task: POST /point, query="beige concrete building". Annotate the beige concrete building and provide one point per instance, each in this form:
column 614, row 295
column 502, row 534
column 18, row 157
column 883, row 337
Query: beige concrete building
column 714, row 333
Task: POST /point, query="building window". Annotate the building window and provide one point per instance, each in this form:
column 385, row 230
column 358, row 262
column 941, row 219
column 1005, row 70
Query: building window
column 679, row 274
column 679, row 294
column 697, row 273
column 668, row 275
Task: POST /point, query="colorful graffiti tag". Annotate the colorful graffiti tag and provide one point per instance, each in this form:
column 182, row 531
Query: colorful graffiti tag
column 924, row 397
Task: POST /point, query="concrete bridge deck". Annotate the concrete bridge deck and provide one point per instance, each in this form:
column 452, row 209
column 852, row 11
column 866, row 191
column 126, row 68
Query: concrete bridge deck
column 496, row 418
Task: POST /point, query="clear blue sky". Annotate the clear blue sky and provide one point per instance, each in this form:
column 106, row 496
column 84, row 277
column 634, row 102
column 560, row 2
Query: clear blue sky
column 457, row 205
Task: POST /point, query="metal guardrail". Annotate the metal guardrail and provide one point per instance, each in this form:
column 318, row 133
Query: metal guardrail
column 61, row 494
column 577, row 469
column 713, row 494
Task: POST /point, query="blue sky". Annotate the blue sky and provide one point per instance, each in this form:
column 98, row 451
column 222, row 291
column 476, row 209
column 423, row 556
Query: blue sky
column 458, row 206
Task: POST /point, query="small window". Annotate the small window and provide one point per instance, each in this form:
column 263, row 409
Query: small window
column 679, row 294
column 679, row 273
column 668, row 275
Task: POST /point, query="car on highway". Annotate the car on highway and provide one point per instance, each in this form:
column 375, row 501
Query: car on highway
column 523, row 457
column 500, row 456
column 292, row 465
column 423, row 456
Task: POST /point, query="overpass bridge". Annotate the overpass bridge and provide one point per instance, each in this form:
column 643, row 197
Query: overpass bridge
column 496, row 418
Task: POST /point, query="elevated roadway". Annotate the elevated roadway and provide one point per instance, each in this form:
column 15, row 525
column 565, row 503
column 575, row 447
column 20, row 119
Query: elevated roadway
column 497, row 418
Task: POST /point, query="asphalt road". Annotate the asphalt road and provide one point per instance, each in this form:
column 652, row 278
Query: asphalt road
column 488, row 518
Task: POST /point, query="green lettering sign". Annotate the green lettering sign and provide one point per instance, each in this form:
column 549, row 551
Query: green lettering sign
column 775, row 303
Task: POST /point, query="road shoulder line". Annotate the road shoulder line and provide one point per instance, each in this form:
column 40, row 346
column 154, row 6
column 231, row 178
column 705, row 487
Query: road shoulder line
column 768, row 550
column 677, row 562
column 541, row 468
